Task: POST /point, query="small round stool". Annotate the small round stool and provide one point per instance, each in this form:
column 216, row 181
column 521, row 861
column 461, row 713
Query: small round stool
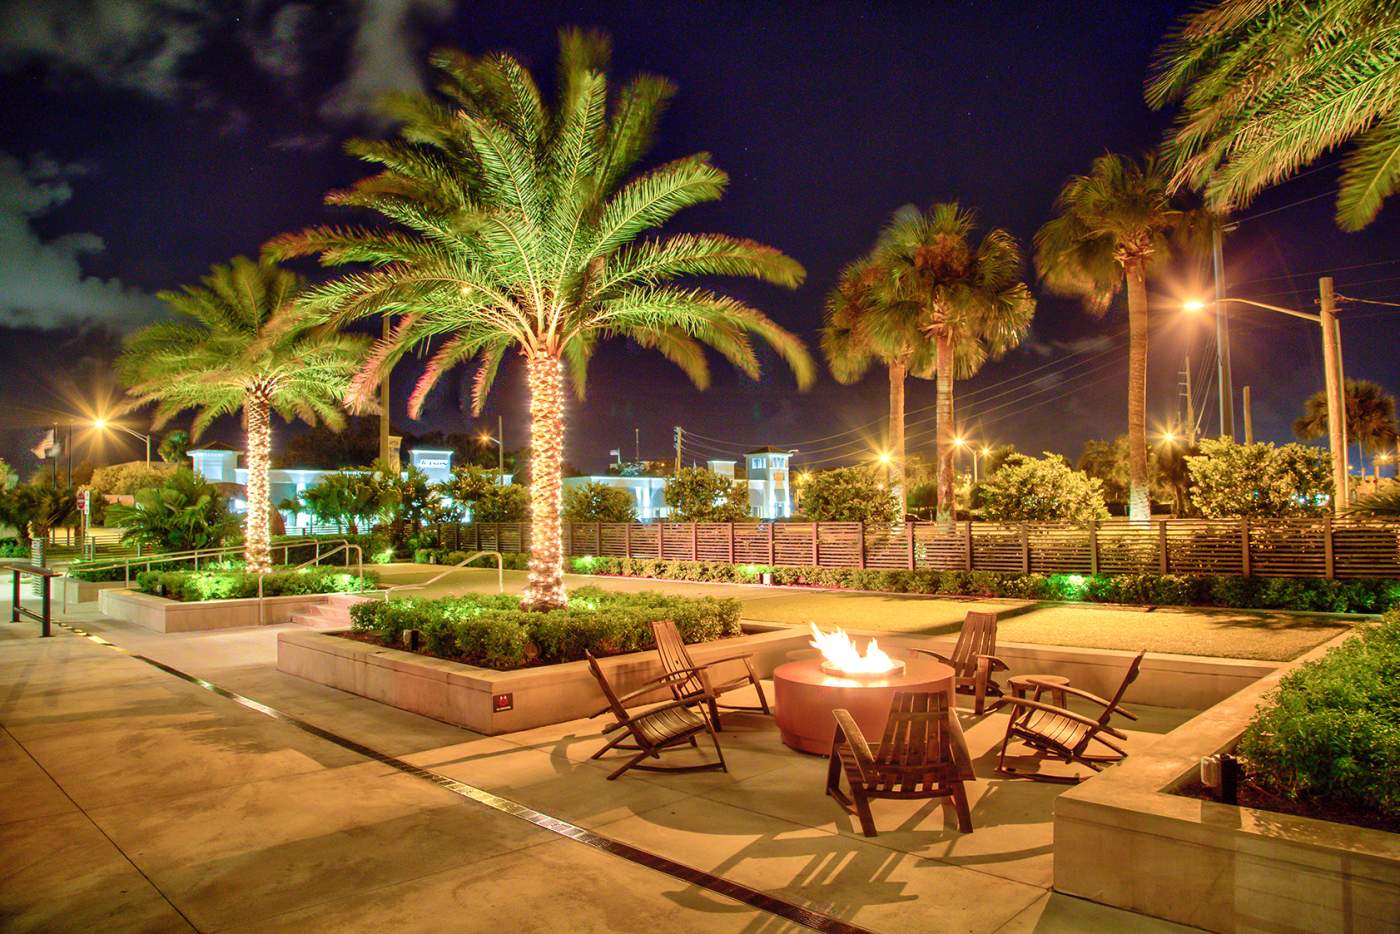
column 1021, row 685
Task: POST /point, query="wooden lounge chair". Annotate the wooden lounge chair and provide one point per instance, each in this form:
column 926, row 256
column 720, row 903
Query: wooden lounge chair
column 653, row 729
column 974, row 658
column 698, row 685
column 922, row 755
column 1062, row 734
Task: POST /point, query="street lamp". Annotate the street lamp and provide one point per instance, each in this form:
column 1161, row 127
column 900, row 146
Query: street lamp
column 1332, row 375
column 101, row 424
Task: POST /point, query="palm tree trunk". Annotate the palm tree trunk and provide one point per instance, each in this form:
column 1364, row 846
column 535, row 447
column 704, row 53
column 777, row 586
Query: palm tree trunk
column 545, row 590
column 898, row 372
column 1139, row 505
column 944, row 444
column 257, row 555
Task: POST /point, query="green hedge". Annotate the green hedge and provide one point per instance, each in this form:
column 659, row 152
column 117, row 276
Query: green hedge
column 13, row 548
column 513, row 561
column 494, row 632
column 1332, row 733
column 194, row 586
column 1270, row 593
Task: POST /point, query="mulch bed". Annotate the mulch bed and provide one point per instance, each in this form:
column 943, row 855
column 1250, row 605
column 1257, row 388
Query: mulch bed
column 1253, row 796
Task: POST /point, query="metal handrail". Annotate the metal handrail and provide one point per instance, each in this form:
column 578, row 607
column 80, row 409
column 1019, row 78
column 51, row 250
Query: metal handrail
column 500, row 574
column 165, row 557
column 344, row 546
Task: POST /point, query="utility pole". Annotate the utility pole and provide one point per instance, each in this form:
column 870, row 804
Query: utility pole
column 501, row 450
column 636, row 445
column 679, row 433
column 384, row 410
column 1222, row 337
column 1248, row 418
column 1190, row 407
column 1336, row 398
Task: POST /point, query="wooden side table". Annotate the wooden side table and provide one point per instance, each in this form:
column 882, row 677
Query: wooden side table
column 1021, row 685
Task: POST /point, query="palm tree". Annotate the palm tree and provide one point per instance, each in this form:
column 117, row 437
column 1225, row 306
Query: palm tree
column 1266, row 88
column 243, row 346
column 1111, row 230
column 860, row 327
column 967, row 297
column 518, row 229
column 1370, row 418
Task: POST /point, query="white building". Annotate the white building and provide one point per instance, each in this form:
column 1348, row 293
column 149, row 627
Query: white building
column 766, row 476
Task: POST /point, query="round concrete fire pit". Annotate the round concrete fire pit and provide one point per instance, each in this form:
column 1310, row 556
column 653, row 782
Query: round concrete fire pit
column 805, row 696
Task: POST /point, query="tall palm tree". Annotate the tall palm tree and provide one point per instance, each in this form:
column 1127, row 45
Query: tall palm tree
column 1370, row 418
column 968, row 298
column 518, row 228
column 1267, row 87
column 859, row 327
column 1111, row 230
column 243, row 346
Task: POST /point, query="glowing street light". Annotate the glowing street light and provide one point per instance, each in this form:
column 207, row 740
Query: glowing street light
column 101, row 424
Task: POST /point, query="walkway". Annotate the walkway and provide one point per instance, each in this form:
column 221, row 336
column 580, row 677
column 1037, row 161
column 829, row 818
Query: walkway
column 133, row 799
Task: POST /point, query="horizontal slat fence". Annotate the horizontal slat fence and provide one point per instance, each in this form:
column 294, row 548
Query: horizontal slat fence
column 1312, row 547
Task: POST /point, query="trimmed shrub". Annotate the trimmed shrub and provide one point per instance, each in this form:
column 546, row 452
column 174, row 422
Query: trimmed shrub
column 1373, row 595
column 196, row 586
column 494, row 632
column 1331, row 732
column 513, row 560
column 13, row 548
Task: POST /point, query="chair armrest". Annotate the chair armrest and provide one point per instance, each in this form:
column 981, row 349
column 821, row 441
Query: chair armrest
column 938, row 655
column 994, row 663
column 666, row 680
column 1080, row 692
column 1048, row 708
column 849, row 730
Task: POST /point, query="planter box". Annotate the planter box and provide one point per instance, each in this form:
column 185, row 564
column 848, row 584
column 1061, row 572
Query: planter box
column 78, row 591
column 164, row 615
column 473, row 697
column 1190, row 682
column 1123, row 839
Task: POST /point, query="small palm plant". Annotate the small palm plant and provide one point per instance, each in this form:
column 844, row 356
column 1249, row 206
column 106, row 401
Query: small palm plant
column 181, row 514
column 243, row 346
column 517, row 228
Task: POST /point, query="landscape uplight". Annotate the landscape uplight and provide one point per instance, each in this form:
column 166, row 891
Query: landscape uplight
column 885, row 458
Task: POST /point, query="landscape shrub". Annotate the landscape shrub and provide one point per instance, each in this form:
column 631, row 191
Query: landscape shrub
column 494, row 632
column 192, row 586
column 513, row 561
column 1331, row 732
column 13, row 548
column 1297, row 593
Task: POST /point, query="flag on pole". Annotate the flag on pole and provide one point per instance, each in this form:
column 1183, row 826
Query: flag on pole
column 46, row 448
column 615, row 452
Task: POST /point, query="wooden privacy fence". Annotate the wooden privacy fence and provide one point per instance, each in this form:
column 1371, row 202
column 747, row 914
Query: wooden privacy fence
column 1321, row 547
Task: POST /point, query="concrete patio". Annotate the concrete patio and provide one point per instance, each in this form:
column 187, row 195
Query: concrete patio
column 133, row 799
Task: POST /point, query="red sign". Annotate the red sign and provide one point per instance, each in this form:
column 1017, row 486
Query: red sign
column 502, row 702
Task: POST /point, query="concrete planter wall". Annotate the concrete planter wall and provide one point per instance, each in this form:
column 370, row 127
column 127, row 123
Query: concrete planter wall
column 79, row 591
column 472, row 697
column 165, row 615
column 1192, row 682
column 1122, row 838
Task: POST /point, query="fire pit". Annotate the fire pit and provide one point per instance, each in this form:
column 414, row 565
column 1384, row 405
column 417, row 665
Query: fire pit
column 807, row 691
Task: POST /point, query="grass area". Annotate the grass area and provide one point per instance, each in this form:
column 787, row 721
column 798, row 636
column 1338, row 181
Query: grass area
column 1257, row 634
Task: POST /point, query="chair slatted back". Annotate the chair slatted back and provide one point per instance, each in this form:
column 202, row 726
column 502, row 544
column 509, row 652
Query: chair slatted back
column 978, row 637
column 916, row 746
column 674, row 655
column 618, row 710
column 1128, row 679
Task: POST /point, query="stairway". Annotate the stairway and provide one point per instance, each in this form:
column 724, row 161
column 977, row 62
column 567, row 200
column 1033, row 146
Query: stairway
column 333, row 613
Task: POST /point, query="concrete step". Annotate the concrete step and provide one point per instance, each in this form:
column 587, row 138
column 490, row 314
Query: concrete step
column 334, row 613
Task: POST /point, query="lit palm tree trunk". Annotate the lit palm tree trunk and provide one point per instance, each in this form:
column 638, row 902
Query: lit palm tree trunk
column 898, row 371
column 1139, row 507
column 256, row 544
column 944, row 412
column 545, row 589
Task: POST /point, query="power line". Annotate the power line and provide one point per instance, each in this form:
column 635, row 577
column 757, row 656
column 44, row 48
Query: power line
column 1284, row 207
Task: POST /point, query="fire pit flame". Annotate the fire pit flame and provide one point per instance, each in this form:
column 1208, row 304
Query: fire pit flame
column 841, row 657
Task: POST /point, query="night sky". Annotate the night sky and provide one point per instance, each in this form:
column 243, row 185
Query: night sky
column 143, row 142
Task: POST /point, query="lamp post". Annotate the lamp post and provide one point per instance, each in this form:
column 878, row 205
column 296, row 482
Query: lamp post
column 101, row 424
column 500, row 452
column 1332, row 375
column 885, row 458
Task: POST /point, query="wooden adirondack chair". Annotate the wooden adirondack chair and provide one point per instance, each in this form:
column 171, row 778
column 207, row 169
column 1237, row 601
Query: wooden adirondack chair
column 653, row 729
column 698, row 685
column 922, row 755
column 1058, row 733
column 974, row 658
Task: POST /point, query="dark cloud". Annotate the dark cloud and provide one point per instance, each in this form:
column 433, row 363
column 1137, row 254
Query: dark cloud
column 42, row 283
